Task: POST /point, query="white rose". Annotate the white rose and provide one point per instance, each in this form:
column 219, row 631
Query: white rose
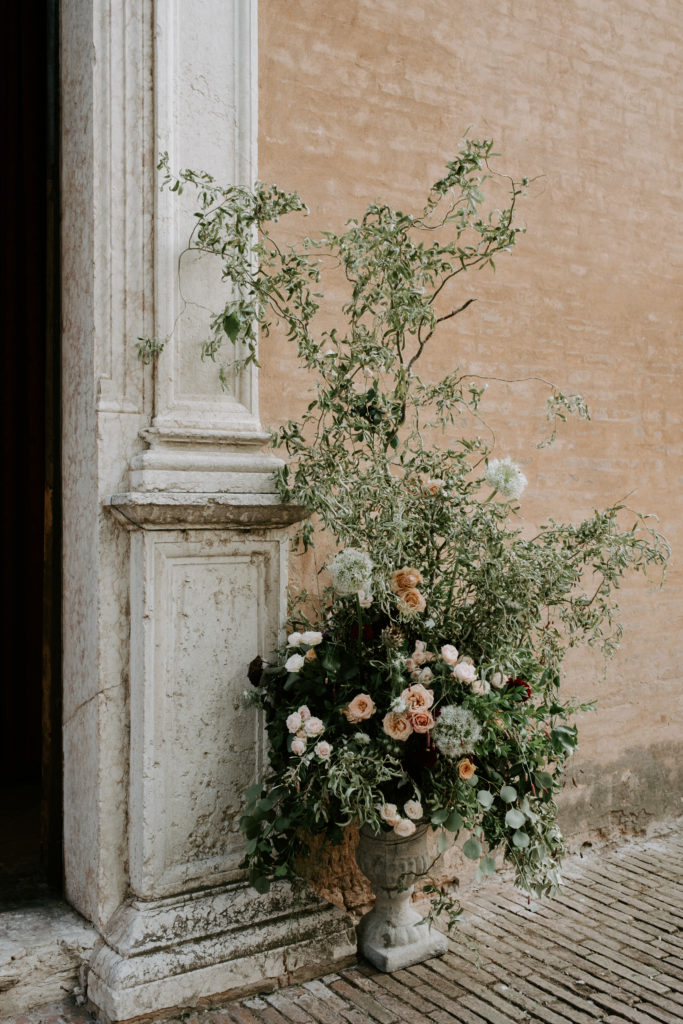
column 389, row 813
column 295, row 663
column 294, row 640
column 404, row 827
column 313, row 727
column 465, row 672
column 323, row 749
column 481, row 687
column 298, row 746
column 312, row 637
column 498, row 680
column 413, row 809
column 293, row 722
column 449, row 653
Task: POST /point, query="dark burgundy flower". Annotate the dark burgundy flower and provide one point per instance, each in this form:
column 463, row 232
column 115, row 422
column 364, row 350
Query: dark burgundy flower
column 520, row 683
column 368, row 632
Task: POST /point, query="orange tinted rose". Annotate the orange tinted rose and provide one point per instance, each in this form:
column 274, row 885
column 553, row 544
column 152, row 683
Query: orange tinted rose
column 361, row 707
column 465, row 768
column 411, row 601
column 405, row 579
column 422, row 721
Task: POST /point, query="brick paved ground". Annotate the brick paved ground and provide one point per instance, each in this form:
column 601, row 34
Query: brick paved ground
column 610, row 949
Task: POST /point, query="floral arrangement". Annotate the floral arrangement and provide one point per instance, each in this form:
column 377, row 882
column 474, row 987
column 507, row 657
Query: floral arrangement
column 421, row 684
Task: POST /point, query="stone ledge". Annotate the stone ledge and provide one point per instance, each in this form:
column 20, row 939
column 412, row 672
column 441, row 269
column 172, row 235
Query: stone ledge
column 225, row 943
column 164, row 510
column 42, row 949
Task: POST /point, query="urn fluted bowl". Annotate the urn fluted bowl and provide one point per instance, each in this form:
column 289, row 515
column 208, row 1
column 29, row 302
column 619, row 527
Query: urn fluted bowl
column 393, row 935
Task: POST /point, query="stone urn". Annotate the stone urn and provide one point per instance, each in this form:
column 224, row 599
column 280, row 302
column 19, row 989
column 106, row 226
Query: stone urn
column 393, row 935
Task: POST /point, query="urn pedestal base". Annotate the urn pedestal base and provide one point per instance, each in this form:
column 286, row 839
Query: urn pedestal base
column 393, row 935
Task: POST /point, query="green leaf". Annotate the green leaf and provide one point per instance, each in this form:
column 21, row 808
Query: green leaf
column 508, row 794
column 472, row 848
column 514, row 818
column 251, row 845
column 261, row 884
column 485, row 798
column 520, row 840
column 280, row 871
column 544, row 780
column 454, row 822
column 231, row 325
column 253, row 792
column 281, row 824
column 487, row 865
column 443, row 842
column 439, row 816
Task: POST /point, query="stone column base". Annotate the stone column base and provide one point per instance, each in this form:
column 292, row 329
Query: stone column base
column 189, row 950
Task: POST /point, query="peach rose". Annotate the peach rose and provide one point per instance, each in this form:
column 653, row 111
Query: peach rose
column 465, row 768
column 310, row 654
column 432, row 485
column 360, row 708
column 422, row 721
column 417, row 698
column 411, row 601
column 397, row 726
column 404, row 827
column 405, row 579
column 449, row 653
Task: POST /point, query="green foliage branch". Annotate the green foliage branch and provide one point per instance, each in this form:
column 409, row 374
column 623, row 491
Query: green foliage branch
column 375, row 459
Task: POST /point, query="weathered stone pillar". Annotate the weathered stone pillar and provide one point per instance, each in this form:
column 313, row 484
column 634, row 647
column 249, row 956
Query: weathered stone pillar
column 174, row 543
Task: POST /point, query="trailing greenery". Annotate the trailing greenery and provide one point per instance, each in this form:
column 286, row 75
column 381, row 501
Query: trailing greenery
column 423, row 683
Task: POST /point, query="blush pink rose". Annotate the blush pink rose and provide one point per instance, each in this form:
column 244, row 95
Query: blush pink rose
column 298, row 746
column 449, row 653
column 465, row 672
column 323, row 749
column 293, row 722
column 313, row 726
column 405, row 827
column 389, row 813
column 304, row 712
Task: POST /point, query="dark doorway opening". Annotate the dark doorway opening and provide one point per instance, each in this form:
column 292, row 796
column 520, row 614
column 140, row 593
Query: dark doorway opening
column 30, row 690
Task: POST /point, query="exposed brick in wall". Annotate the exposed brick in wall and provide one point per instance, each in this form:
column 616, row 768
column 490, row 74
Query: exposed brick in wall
column 368, row 99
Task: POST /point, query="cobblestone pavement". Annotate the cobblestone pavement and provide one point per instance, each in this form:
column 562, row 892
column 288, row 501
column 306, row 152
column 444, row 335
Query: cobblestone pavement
column 609, row 949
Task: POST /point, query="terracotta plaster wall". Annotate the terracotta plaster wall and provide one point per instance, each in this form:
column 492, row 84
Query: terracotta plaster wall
column 369, row 99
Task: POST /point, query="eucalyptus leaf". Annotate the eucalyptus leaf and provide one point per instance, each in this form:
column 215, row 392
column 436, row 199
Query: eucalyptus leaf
column 485, row 798
column 514, row 818
column 454, row 822
column 472, row 848
column 508, row 794
column 520, row 840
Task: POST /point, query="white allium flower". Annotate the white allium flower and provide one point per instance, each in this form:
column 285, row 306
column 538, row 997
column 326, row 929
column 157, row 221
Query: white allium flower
column 362, row 737
column 351, row 571
column 398, row 706
column 294, row 639
column 456, row 731
column 295, row 663
column 505, row 476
